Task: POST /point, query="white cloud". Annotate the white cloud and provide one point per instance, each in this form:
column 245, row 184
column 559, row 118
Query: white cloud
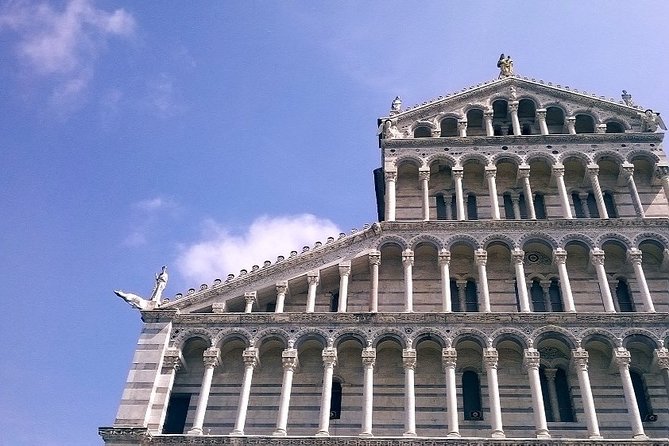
column 63, row 44
column 222, row 252
column 162, row 98
column 145, row 216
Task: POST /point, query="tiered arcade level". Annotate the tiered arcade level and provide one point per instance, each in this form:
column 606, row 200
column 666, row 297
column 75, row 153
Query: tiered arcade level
column 518, row 288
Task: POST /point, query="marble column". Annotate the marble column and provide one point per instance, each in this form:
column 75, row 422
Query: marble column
column 571, row 125
column 627, row 170
column 622, row 359
column 250, row 298
column 172, row 362
column 558, row 172
column 490, row 173
column 662, row 361
column 251, row 360
column 560, row 259
column 444, row 266
column 459, row 194
column 329, row 362
column 634, row 256
column 374, row 262
column 290, row 362
column 490, row 359
column 597, row 259
column 515, row 203
column 584, row 204
column 313, row 278
column 518, row 257
column 407, row 261
column 212, row 358
column 552, row 393
column 391, row 179
column 515, row 123
column 409, row 362
column 524, row 175
column 424, row 177
column 368, row 361
column 462, row 128
column 580, row 360
column 481, row 258
column 281, row 290
column 540, row 116
column 593, row 174
column 344, row 273
column 531, row 361
column 487, row 118
column 449, row 357
column 462, row 289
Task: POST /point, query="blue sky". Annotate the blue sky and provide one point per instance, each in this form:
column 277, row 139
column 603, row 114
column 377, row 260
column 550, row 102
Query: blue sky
column 137, row 134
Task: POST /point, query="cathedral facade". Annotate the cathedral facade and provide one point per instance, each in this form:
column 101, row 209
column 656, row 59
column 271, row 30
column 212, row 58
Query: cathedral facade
column 514, row 291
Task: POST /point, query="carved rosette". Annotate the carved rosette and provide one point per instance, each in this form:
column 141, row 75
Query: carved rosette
column 250, row 357
column 329, row 356
column 211, row 357
column 580, row 358
column 407, row 257
column 368, row 356
column 289, row 359
column 490, row 358
column 449, row 356
column 409, row 358
column 531, row 359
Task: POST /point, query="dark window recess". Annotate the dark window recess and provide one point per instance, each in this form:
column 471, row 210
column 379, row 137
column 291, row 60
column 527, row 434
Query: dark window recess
column 556, row 296
column 334, row 302
column 335, row 401
column 472, row 211
column 515, row 290
column 563, row 396
column 522, row 204
column 578, row 205
column 455, row 296
column 610, row 205
column 508, row 207
column 642, row 399
column 537, row 293
column 271, row 307
column 422, row 132
column 471, row 298
column 592, row 206
column 624, row 297
column 471, row 396
column 177, row 409
column 454, row 208
column 441, row 208
column 539, row 207
column 548, row 408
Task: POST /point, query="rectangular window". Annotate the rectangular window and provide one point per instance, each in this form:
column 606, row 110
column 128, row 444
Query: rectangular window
column 177, row 409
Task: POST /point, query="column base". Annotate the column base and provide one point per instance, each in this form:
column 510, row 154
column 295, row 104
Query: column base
column 409, row 434
column 236, row 433
column 322, row 434
column 640, row 437
column 279, row 433
column 596, row 437
column 498, row 434
column 195, row 431
column 453, row 435
column 543, row 434
column 366, row 434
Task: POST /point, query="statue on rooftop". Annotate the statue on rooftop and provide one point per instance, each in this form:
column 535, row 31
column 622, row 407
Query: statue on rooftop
column 651, row 120
column 395, row 106
column 389, row 130
column 505, row 65
column 627, row 99
column 156, row 296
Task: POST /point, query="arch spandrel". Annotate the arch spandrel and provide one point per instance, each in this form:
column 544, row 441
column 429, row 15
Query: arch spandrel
column 470, row 334
column 392, row 333
column 473, row 156
column 642, row 153
column 351, row 333
column 554, row 332
column 503, row 156
column 229, row 334
column 429, row 333
column 464, row 239
column 499, row 238
column 583, row 157
column 311, row 333
column 594, row 114
column 179, row 339
column 652, row 236
column 271, row 334
column 436, row 242
column 449, row 159
column 510, row 333
column 410, row 159
column 541, row 155
column 598, row 334
column 386, row 240
column 613, row 237
column 577, row 237
column 537, row 237
column 651, row 339
column 616, row 156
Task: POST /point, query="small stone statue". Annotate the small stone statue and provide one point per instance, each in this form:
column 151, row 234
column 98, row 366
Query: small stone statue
column 388, row 130
column 505, row 65
column 156, row 296
column 513, row 95
column 396, row 106
column 650, row 121
column 627, row 99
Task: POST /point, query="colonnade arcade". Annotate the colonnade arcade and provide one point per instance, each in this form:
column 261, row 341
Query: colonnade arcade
column 538, row 185
column 611, row 273
column 453, row 382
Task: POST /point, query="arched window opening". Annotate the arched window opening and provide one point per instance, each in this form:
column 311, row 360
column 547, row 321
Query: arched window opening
column 472, row 211
column 475, row 123
column 557, row 397
column 642, row 398
column 449, row 127
column 500, row 118
column 578, row 205
column 610, row 205
column 471, row 297
column 422, row 132
column 548, row 408
column 585, row 124
column 537, row 293
column 508, row 207
column 555, row 120
column 497, row 130
column 455, row 296
column 625, row 304
column 526, row 114
column 527, row 129
column 565, row 406
column 334, row 302
column 454, row 208
column 522, row 206
column 555, row 295
column 614, row 127
column 441, row 208
column 335, row 400
column 471, row 396
column 539, row 206
column 177, row 410
column 593, row 210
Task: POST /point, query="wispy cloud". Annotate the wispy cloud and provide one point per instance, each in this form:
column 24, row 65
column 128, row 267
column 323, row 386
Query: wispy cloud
column 161, row 97
column 221, row 251
column 144, row 217
column 62, row 45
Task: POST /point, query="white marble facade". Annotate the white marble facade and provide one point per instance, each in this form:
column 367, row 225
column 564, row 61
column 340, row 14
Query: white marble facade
column 517, row 288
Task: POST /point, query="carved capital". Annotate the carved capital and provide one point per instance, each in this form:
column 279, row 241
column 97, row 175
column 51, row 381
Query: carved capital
column 597, row 257
column 172, row 360
column 634, row 256
column 250, row 357
column 409, row 358
column 407, row 257
column 518, row 256
column 444, row 257
column 219, row 307
column 282, row 287
column 345, row 268
column 513, row 107
column 390, row 175
column 523, row 171
column 424, row 174
column 662, row 171
column 558, row 170
column 329, row 356
column 531, row 359
column 211, row 357
column 313, row 277
column 540, row 114
column 593, row 170
column 449, row 357
column 490, row 358
column 560, row 256
column 622, row 357
column 374, row 257
column 580, row 358
column 600, row 128
column 368, row 356
column 488, row 114
column 627, row 169
column 289, row 359
column 250, row 297
column 490, row 172
column 457, row 173
column 662, row 357
column 481, row 257
column 462, row 125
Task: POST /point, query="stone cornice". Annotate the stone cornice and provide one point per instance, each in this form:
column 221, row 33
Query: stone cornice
column 499, row 141
column 158, row 315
